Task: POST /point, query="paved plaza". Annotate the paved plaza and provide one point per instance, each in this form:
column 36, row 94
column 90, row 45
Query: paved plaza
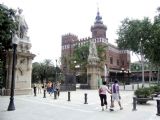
column 29, row 107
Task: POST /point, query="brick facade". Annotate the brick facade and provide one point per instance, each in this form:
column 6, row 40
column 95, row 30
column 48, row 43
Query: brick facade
column 116, row 59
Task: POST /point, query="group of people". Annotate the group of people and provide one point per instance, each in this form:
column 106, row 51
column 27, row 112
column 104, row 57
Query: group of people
column 115, row 95
column 53, row 87
column 50, row 87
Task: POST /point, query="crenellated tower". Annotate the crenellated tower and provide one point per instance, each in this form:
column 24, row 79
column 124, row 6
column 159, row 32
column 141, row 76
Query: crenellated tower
column 98, row 29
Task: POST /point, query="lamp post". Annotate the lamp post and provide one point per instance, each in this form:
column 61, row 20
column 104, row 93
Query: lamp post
column 142, row 63
column 137, row 68
column 15, row 41
column 76, row 71
column 123, row 77
column 122, row 70
column 129, row 72
column 98, row 79
column 158, row 76
column 56, row 70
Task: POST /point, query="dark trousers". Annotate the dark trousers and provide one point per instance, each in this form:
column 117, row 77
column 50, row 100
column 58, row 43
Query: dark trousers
column 58, row 92
column 103, row 99
column 34, row 90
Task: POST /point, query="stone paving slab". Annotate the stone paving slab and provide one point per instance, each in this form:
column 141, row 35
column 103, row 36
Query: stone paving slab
column 39, row 108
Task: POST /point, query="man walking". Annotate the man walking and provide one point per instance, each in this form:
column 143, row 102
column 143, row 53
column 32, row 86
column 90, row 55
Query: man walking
column 115, row 95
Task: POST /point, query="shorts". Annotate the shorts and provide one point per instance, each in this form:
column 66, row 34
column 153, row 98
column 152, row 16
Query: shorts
column 115, row 96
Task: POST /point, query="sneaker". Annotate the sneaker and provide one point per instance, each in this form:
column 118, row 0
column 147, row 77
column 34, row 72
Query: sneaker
column 121, row 108
column 111, row 109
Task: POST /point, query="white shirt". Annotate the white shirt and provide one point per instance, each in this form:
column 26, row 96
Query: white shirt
column 103, row 89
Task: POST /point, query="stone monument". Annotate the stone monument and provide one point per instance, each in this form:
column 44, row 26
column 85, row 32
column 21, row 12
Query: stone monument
column 93, row 71
column 23, row 70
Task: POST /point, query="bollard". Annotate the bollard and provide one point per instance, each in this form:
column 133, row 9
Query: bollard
column 158, row 107
column 85, row 98
column 124, row 86
column 132, row 86
column 134, row 104
column 35, row 91
column 55, row 94
column 44, row 94
column 69, row 96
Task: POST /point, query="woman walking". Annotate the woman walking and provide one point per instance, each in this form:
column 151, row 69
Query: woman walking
column 102, row 94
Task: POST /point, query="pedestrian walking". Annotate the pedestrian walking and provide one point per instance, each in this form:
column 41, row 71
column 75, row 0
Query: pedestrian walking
column 39, row 87
column 35, row 89
column 58, row 88
column 102, row 94
column 49, row 87
column 115, row 95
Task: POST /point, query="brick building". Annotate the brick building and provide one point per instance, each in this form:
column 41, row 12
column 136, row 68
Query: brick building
column 116, row 59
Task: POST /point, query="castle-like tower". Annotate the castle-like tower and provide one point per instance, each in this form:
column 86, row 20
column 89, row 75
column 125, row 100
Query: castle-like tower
column 98, row 29
column 116, row 60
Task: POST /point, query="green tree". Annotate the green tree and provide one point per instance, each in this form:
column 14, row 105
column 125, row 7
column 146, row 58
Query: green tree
column 8, row 26
column 134, row 34
column 141, row 36
column 80, row 55
column 152, row 46
column 45, row 71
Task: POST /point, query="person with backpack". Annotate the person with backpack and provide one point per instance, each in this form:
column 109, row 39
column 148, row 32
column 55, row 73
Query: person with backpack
column 115, row 95
column 102, row 94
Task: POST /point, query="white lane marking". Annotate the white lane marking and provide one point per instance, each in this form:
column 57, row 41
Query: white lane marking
column 74, row 109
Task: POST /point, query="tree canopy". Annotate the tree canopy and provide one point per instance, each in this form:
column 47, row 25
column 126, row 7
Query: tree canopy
column 8, row 26
column 80, row 54
column 45, row 71
column 141, row 36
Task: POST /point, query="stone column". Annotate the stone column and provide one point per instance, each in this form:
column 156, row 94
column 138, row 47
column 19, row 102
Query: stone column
column 92, row 68
column 92, row 71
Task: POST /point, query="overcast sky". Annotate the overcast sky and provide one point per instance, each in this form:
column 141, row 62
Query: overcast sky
column 48, row 20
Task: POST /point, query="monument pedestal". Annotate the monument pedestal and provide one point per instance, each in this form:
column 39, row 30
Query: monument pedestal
column 93, row 75
column 23, row 70
column 92, row 67
column 19, row 91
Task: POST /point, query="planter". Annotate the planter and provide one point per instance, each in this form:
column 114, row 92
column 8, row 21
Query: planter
column 143, row 100
column 143, row 95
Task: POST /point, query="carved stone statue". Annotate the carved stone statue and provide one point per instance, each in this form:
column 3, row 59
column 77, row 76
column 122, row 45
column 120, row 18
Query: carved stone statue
column 92, row 49
column 93, row 57
column 22, row 25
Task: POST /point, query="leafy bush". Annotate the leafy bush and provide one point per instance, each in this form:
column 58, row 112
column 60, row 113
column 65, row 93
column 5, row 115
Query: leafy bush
column 155, row 89
column 143, row 92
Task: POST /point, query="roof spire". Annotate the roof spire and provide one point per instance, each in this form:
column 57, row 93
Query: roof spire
column 98, row 18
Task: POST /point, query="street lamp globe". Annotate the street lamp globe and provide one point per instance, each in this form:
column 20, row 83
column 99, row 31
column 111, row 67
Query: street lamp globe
column 15, row 40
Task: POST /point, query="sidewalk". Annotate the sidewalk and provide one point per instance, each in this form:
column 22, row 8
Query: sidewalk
column 39, row 108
